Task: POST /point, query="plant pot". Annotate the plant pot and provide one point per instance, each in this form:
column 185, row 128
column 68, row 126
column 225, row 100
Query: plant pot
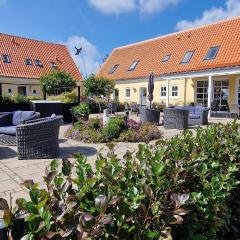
column 149, row 115
column 67, row 114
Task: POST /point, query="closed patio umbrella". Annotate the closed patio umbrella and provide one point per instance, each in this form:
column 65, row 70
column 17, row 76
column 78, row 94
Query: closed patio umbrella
column 150, row 88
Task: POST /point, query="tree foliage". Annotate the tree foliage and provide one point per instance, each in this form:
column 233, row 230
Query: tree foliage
column 58, row 82
column 96, row 86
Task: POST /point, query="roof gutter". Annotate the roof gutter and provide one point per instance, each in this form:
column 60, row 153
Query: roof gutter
column 203, row 73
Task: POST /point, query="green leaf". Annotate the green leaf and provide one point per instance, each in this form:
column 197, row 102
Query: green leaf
column 157, row 168
column 28, row 237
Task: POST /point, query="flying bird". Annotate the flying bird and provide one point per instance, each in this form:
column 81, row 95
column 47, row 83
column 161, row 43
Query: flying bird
column 79, row 50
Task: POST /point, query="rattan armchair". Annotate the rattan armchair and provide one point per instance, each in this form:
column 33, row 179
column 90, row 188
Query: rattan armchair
column 38, row 138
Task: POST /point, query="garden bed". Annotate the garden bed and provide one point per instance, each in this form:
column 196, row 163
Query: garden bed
column 93, row 131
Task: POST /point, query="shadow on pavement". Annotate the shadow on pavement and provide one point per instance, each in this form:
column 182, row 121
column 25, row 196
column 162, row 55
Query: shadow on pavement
column 7, row 153
column 69, row 151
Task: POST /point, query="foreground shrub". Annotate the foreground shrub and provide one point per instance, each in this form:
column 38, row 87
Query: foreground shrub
column 119, row 200
column 186, row 188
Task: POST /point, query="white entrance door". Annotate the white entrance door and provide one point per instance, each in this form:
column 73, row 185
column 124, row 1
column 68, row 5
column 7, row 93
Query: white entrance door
column 143, row 96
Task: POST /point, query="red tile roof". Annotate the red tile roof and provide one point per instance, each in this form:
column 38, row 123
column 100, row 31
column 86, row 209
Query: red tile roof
column 150, row 53
column 19, row 49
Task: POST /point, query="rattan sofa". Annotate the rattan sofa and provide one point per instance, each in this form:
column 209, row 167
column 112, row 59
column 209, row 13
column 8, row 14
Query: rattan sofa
column 35, row 139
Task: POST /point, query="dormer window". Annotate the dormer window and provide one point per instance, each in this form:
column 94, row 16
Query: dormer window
column 53, row 65
column 133, row 65
column 113, row 69
column 6, row 58
column 28, row 62
column 38, row 63
column 212, row 53
column 188, row 56
column 166, row 58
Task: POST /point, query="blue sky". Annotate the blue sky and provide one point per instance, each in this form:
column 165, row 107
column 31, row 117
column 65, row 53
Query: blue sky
column 100, row 25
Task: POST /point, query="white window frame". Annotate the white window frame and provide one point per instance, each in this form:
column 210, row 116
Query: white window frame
column 174, row 97
column 163, row 97
column 126, row 95
column 205, row 95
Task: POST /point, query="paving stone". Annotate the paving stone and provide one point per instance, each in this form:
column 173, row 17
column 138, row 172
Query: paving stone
column 8, row 185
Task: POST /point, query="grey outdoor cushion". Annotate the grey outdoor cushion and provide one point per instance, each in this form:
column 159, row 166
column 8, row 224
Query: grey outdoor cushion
column 21, row 116
column 16, row 120
column 9, row 130
column 194, row 116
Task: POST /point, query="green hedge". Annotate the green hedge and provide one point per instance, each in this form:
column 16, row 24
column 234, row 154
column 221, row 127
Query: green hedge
column 186, row 188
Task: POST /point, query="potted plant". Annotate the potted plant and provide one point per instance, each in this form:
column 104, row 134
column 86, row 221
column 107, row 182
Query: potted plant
column 81, row 112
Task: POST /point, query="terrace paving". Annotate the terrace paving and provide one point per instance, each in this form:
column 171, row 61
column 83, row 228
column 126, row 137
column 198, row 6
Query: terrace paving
column 13, row 171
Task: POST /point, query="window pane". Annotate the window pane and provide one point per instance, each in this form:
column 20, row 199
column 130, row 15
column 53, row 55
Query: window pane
column 113, row 69
column 127, row 92
column 133, row 65
column 6, row 58
column 212, row 53
column 166, row 58
column 187, row 57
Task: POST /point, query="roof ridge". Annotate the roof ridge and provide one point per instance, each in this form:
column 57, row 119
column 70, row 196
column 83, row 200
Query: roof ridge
column 31, row 39
column 176, row 33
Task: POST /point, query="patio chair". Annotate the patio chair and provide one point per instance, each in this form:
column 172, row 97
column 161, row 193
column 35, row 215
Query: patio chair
column 175, row 118
column 234, row 110
column 135, row 108
column 38, row 138
column 214, row 107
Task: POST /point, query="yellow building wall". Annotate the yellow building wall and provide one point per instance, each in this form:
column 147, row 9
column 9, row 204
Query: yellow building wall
column 184, row 97
column 136, row 86
column 14, row 89
column 30, row 84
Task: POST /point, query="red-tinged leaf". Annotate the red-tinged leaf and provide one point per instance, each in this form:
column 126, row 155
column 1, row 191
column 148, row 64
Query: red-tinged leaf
column 106, row 220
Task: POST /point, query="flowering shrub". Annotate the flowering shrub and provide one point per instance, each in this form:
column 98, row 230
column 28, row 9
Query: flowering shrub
column 92, row 131
column 133, row 124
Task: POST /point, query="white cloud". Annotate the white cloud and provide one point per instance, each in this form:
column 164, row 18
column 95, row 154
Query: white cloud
column 152, row 6
column 116, row 7
column 88, row 60
column 231, row 9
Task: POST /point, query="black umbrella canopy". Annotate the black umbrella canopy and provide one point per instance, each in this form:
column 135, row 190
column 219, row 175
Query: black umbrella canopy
column 150, row 88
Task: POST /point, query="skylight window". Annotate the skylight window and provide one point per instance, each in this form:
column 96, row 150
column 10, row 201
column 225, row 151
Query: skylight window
column 133, row 65
column 53, row 65
column 6, row 58
column 38, row 63
column 187, row 57
column 166, row 58
column 212, row 53
column 28, row 62
column 113, row 69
